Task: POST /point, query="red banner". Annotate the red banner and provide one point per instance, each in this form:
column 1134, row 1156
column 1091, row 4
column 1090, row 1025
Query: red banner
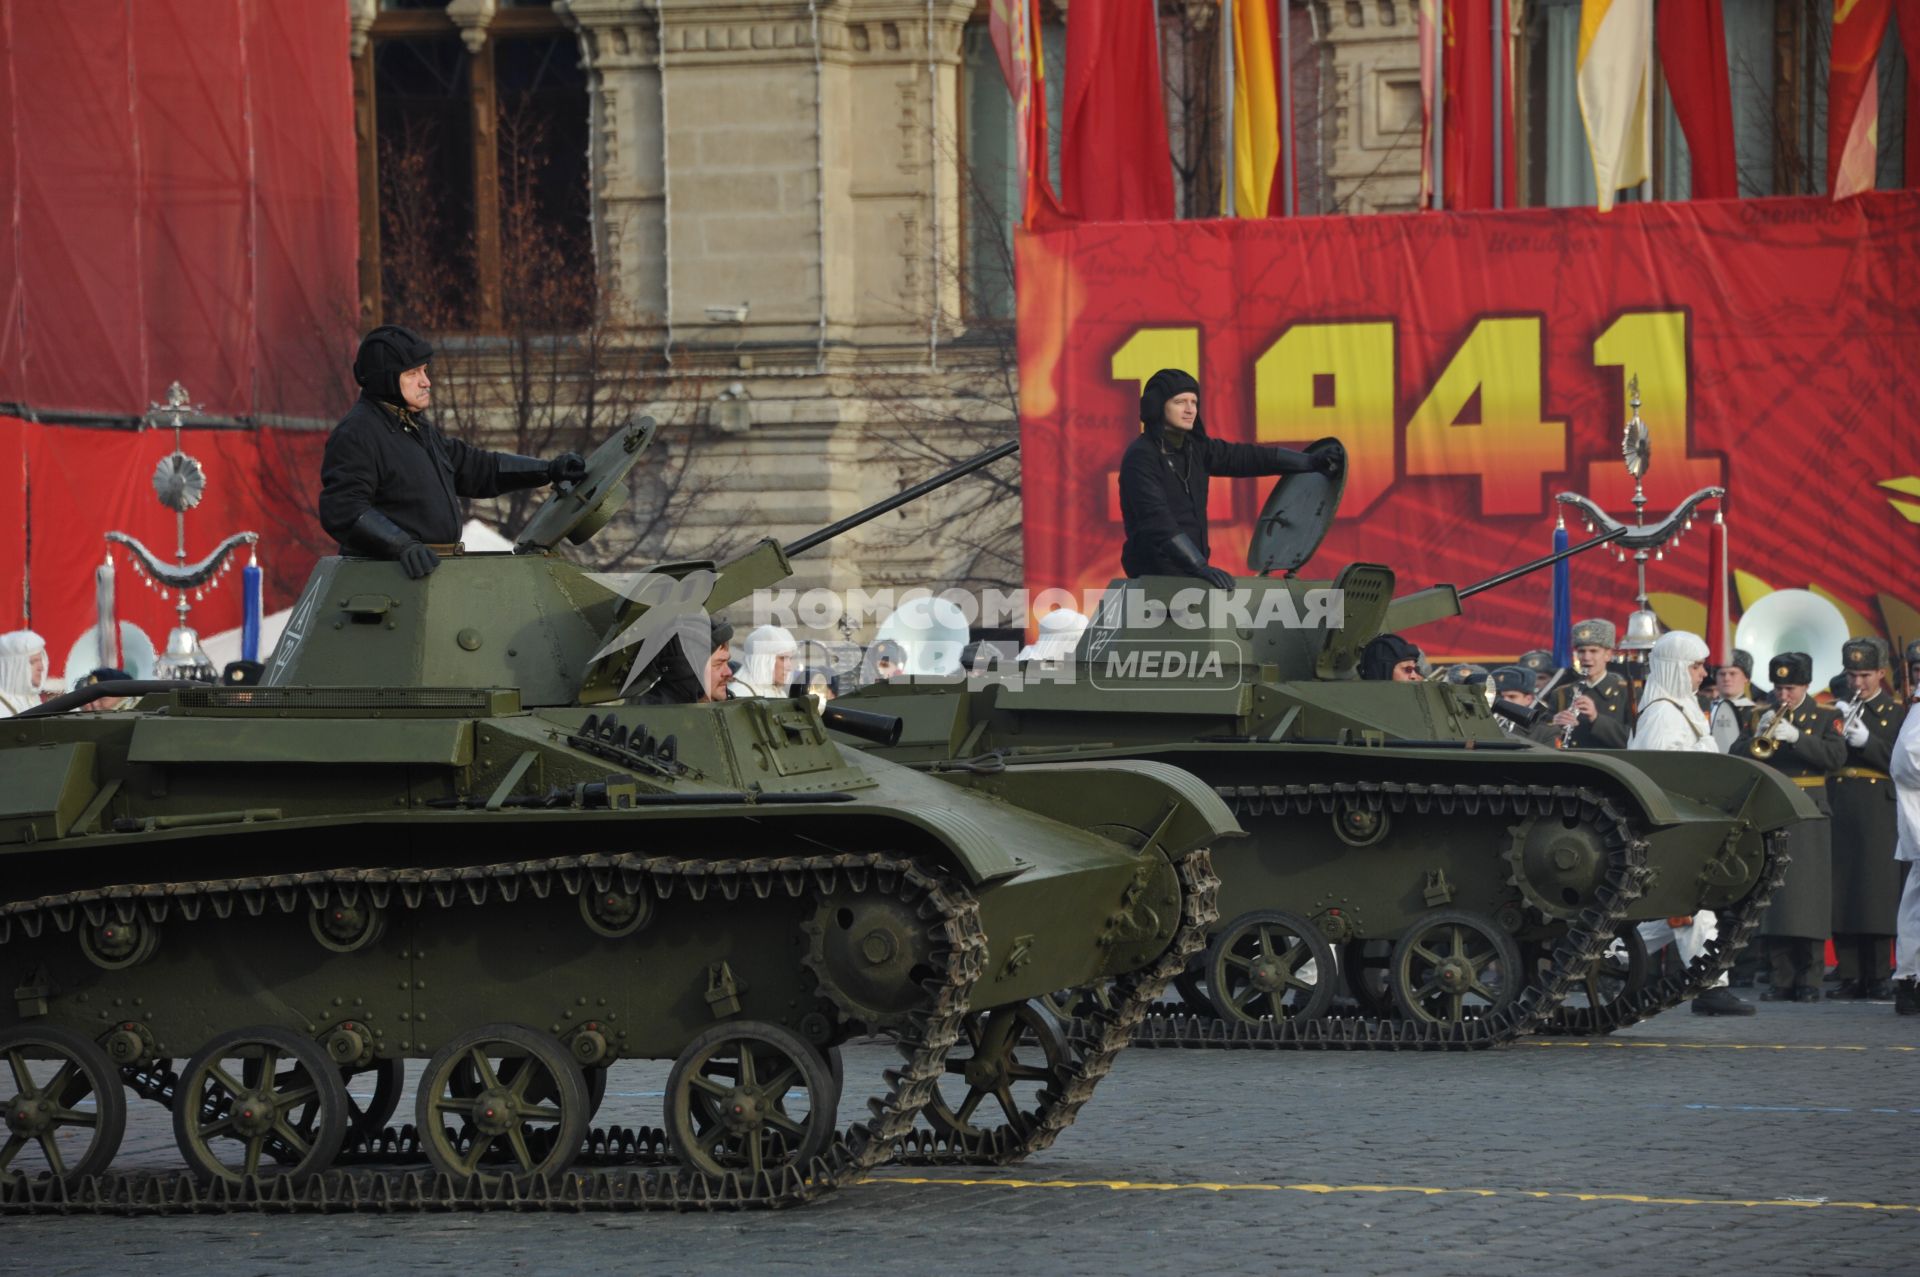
column 1475, row 365
column 178, row 182
column 63, row 488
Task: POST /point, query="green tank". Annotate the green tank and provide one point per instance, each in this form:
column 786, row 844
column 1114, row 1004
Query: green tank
column 1416, row 876
column 438, row 832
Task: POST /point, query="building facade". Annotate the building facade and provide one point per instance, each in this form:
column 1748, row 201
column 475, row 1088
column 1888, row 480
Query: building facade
column 785, row 225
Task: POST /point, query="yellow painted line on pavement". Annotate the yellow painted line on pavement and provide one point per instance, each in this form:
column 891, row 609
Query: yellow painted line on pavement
column 1416, row 1190
column 1623, row 1043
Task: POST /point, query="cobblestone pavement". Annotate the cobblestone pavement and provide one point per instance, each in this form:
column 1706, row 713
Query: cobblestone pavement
column 1783, row 1143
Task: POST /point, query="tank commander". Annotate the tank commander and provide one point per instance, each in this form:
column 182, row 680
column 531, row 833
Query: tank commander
column 1164, row 474
column 1388, row 658
column 1594, row 712
column 391, row 482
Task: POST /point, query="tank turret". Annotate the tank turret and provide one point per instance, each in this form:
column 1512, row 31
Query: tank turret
column 432, row 835
column 1393, row 824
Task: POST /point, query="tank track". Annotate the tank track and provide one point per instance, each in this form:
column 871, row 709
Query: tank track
column 1095, row 1040
column 1736, row 929
column 629, row 1170
column 1174, row 1025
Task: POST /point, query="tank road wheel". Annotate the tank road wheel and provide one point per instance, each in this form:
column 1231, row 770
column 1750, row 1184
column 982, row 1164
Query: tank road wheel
column 364, row 1121
column 501, row 1089
column 293, row 1107
column 1363, row 966
column 1451, row 961
column 750, row 1098
column 1014, row 1055
column 67, row 1110
column 1269, row 964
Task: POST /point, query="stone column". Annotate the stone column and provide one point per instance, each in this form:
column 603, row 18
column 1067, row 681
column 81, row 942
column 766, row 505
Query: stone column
column 620, row 50
column 1373, row 164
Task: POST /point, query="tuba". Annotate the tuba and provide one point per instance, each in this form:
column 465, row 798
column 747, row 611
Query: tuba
column 1795, row 621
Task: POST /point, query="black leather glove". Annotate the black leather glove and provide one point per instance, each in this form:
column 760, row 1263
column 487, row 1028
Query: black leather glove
column 418, row 560
column 568, row 467
column 1189, row 559
column 1327, row 463
column 381, row 537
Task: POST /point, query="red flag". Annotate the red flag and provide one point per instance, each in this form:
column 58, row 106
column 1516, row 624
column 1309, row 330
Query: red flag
column 1469, row 91
column 1115, row 164
column 1908, row 13
column 1014, row 26
column 1286, row 174
column 1853, row 95
column 1693, row 53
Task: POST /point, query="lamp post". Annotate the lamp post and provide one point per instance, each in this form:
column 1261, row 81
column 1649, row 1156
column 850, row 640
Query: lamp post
column 1645, row 540
column 179, row 482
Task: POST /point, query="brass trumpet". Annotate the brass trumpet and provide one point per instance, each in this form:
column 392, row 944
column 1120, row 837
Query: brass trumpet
column 1767, row 744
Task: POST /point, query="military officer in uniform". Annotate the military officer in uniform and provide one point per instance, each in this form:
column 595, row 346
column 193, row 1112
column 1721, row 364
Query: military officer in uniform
column 1514, row 684
column 1866, row 877
column 1598, row 707
column 1540, row 661
column 1467, row 674
column 1913, row 670
column 1732, row 698
column 1804, row 740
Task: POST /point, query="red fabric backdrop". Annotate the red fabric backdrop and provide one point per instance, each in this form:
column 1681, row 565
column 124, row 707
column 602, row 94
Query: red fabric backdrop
column 179, row 179
column 58, row 500
column 1474, row 364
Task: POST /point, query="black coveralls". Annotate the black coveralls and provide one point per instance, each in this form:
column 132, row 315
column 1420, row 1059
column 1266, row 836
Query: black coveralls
column 401, row 465
column 1163, row 490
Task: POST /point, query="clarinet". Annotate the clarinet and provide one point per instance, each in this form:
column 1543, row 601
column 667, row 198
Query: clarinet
column 1566, row 733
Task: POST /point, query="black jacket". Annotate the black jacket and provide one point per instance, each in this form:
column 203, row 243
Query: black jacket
column 413, row 474
column 1163, row 492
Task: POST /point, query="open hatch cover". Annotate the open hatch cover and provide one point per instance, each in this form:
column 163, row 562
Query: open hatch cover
column 1297, row 515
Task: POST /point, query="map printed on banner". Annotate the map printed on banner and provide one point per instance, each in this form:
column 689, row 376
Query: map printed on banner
column 1475, row 364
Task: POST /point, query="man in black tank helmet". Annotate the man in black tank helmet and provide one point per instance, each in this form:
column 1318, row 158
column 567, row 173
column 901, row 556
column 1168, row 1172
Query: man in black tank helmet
column 390, row 482
column 1164, row 475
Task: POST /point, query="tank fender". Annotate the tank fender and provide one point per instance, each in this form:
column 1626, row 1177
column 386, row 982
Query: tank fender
column 1762, row 796
column 1179, row 811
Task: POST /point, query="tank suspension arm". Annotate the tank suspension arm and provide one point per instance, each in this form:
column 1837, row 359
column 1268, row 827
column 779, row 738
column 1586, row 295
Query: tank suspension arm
column 1612, row 534
column 898, row 499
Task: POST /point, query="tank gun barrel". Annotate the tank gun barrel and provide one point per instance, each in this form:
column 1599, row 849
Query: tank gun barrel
column 1546, row 561
column 900, row 498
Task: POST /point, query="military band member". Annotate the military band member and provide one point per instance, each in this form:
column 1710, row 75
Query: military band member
column 1732, row 698
column 1514, row 684
column 1866, row 877
column 1467, row 674
column 1598, row 707
column 1807, row 745
column 1540, row 661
